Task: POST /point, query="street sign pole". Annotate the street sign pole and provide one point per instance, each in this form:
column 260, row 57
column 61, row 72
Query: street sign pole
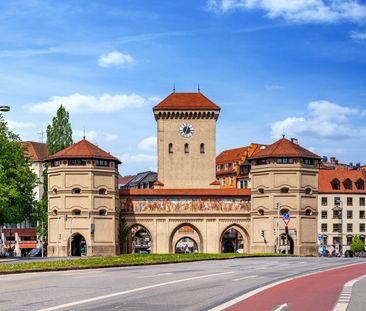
column 286, row 230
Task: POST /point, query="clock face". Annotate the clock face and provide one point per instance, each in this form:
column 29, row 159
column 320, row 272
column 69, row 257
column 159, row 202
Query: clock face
column 186, row 130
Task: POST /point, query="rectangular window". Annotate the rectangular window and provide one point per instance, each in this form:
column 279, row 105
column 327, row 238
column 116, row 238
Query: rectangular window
column 349, row 227
column 362, row 214
column 362, row 201
column 245, row 184
column 349, row 240
column 308, row 161
column 234, row 166
column 76, row 162
column 241, row 184
column 337, row 228
column 226, row 166
column 55, row 163
column 218, row 167
column 362, row 227
column 224, row 181
column 324, row 214
column 349, row 201
column 284, row 160
column 349, row 214
column 324, row 227
column 336, row 239
column 231, row 180
column 102, row 163
column 324, row 201
column 337, row 214
column 337, row 200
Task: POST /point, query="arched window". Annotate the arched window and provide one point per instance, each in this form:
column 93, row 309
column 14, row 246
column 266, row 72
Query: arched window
column 347, row 184
column 54, row 212
column 76, row 190
column 284, row 190
column 308, row 212
column 308, row 191
column 76, row 212
column 202, row 148
column 102, row 191
column 186, row 148
column 335, row 184
column 260, row 212
column 102, row 212
column 170, row 148
column 261, row 190
column 54, row 191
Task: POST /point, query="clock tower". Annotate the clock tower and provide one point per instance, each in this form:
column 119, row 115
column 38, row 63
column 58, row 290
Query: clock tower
column 186, row 126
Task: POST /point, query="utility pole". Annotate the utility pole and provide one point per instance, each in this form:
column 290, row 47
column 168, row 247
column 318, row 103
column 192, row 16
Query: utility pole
column 278, row 228
column 70, row 246
column 58, row 235
column 42, row 239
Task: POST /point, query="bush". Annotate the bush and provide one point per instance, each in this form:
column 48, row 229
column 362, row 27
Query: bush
column 357, row 244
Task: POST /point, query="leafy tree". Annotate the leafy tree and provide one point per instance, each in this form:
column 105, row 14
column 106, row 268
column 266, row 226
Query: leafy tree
column 59, row 133
column 357, row 244
column 17, row 181
column 59, row 136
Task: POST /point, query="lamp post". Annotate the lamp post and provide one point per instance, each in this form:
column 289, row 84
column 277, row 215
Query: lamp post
column 339, row 208
column 278, row 228
column 4, row 108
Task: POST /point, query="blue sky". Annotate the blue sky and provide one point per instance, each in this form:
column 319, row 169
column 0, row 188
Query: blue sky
column 295, row 66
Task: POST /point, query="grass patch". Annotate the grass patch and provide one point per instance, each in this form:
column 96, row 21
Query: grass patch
column 118, row 261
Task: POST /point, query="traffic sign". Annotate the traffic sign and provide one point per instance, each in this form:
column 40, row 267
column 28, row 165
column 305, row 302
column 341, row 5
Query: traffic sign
column 286, row 218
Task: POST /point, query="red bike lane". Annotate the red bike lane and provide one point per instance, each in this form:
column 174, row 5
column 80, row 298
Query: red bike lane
column 316, row 292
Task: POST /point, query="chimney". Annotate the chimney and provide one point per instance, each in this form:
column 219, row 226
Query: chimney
column 295, row 141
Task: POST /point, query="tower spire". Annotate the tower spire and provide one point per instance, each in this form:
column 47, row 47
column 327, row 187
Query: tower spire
column 174, row 88
column 198, row 88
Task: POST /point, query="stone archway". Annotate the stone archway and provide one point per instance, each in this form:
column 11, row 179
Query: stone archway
column 185, row 230
column 139, row 240
column 289, row 246
column 186, row 245
column 78, row 245
column 234, row 238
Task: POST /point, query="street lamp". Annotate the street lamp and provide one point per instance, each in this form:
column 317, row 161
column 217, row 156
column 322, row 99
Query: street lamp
column 4, row 108
column 339, row 209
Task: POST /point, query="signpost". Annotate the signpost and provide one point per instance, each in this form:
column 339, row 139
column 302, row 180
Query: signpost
column 286, row 220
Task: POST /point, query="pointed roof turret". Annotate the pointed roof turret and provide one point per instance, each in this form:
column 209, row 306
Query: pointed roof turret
column 83, row 149
column 186, row 101
column 284, row 148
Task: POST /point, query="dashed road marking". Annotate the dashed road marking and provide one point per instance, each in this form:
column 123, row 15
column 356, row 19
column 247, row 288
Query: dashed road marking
column 346, row 294
column 153, row 276
column 245, row 277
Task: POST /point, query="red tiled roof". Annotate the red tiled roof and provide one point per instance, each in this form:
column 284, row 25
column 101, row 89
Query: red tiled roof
column 186, row 101
column 284, row 148
column 215, row 183
column 327, row 176
column 83, row 149
column 185, row 192
column 36, row 151
column 158, row 183
column 232, row 155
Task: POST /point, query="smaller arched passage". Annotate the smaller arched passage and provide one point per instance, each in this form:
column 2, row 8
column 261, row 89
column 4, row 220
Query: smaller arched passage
column 186, row 245
column 78, row 245
column 286, row 245
column 234, row 238
column 138, row 240
column 185, row 230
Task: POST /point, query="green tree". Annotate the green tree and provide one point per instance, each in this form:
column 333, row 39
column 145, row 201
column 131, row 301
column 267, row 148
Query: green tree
column 59, row 136
column 59, row 133
column 357, row 244
column 17, row 181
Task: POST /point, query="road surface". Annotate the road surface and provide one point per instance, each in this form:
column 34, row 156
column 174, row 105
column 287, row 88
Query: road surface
column 186, row 286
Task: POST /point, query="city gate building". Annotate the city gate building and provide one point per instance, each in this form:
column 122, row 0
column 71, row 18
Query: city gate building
column 89, row 215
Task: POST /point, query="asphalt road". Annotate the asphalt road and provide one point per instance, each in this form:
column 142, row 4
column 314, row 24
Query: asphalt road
column 185, row 286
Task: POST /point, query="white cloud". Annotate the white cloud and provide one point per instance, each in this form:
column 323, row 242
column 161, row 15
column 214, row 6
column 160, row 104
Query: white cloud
column 356, row 35
column 325, row 120
column 115, row 58
column 109, row 136
column 79, row 103
column 15, row 125
column 148, row 143
column 89, row 135
column 305, row 11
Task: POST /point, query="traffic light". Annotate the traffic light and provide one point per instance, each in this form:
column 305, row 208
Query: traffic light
column 262, row 233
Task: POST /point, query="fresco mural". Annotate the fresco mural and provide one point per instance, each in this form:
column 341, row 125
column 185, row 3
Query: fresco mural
column 156, row 205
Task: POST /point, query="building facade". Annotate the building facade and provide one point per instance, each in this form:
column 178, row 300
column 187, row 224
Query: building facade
column 186, row 209
column 342, row 208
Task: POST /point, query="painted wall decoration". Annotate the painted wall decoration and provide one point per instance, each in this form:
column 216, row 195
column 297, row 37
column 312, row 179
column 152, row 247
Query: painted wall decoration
column 173, row 205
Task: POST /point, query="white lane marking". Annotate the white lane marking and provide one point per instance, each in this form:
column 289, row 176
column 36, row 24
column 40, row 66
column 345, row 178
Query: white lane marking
column 245, row 277
column 80, row 302
column 281, row 307
column 258, row 290
column 345, row 296
column 260, row 268
column 69, row 273
column 153, row 276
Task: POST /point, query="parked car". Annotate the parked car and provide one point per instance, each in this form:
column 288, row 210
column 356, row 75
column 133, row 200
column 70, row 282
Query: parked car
column 35, row 252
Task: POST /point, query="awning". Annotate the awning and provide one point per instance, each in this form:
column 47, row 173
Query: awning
column 28, row 245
